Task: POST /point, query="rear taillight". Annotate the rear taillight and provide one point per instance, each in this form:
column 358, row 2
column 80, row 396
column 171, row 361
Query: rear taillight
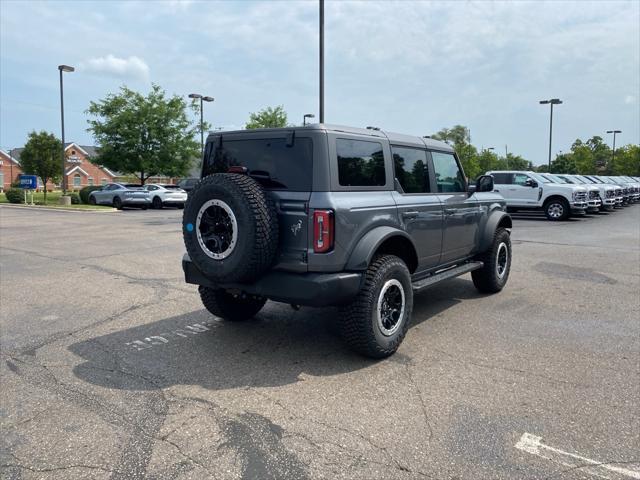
column 237, row 169
column 323, row 230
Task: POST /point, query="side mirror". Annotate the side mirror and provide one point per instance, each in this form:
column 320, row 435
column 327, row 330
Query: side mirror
column 484, row 183
column 531, row 183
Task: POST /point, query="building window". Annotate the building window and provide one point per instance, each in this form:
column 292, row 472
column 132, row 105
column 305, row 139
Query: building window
column 77, row 180
column 103, row 182
column 90, row 181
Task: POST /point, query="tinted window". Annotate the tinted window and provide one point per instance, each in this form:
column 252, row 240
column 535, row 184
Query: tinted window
column 270, row 161
column 360, row 163
column 502, row 178
column 411, row 169
column 448, row 175
column 520, row 179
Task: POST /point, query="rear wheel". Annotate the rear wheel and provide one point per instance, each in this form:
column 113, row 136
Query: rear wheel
column 375, row 323
column 117, row 203
column 92, row 200
column 557, row 209
column 228, row 306
column 493, row 276
column 157, row 203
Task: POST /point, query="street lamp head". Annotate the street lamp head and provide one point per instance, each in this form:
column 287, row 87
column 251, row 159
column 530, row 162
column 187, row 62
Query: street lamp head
column 614, row 131
column 544, row 102
column 490, row 148
column 195, row 95
column 208, row 99
column 309, row 115
column 65, row 68
column 555, row 101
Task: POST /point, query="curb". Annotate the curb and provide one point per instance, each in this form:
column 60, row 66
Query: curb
column 58, row 209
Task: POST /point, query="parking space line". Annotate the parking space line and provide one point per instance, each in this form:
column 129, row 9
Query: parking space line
column 533, row 444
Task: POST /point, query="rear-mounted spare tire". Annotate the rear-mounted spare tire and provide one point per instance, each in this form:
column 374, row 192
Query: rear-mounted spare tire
column 230, row 228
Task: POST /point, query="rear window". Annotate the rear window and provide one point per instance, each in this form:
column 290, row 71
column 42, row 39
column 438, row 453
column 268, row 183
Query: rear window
column 171, row 187
column 270, row 161
column 360, row 163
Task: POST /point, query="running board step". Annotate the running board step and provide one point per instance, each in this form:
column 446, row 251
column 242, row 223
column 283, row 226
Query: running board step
column 446, row 275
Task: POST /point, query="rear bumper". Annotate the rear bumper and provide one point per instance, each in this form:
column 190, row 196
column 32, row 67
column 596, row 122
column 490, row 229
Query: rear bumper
column 136, row 201
column 311, row 289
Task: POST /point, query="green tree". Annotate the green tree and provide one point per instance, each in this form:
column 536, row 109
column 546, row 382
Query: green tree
column 515, row 162
column 563, row 163
column 42, row 156
column 583, row 158
column 268, row 118
column 144, row 135
column 600, row 152
column 627, row 161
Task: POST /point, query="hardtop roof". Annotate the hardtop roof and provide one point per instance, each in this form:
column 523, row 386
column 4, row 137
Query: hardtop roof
column 371, row 132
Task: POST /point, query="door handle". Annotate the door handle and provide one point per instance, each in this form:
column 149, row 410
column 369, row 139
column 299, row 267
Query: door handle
column 409, row 214
column 449, row 211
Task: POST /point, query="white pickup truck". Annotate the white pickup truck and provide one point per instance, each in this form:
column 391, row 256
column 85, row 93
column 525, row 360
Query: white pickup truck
column 530, row 191
column 607, row 193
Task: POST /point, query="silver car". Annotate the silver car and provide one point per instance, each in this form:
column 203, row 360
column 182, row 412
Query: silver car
column 120, row 195
column 166, row 195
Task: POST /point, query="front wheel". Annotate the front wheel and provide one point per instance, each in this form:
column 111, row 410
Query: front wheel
column 92, row 200
column 557, row 209
column 227, row 306
column 375, row 323
column 493, row 276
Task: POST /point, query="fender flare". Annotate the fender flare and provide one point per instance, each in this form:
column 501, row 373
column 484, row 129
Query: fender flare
column 496, row 218
column 362, row 254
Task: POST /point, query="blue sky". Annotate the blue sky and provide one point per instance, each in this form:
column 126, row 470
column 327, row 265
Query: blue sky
column 411, row 67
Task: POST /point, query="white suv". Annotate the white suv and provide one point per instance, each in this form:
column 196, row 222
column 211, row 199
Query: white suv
column 531, row 191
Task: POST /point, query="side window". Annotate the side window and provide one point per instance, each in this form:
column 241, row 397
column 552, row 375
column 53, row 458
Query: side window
column 411, row 169
column 502, row 178
column 520, row 179
column 449, row 178
column 360, row 163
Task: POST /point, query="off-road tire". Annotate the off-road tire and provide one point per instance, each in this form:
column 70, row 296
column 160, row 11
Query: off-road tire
column 359, row 323
column 488, row 278
column 225, row 305
column 566, row 209
column 257, row 227
column 117, row 203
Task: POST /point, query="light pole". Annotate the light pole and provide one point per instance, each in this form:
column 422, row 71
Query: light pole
column 202, row 99
column 321, row 61
column 63, row 68
column 613, row 154
column 552, row 102
column 305, row 116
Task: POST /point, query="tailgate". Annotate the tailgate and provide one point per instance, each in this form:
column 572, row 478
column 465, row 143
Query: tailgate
column 293, row 219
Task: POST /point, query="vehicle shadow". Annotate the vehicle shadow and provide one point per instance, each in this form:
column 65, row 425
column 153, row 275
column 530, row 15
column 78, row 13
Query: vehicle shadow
column 272, row 350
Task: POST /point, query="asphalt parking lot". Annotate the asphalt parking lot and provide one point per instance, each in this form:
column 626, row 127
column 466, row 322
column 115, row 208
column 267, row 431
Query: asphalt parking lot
column 111, row 368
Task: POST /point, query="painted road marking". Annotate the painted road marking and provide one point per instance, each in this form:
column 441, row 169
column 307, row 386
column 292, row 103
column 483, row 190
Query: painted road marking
column 165, row 337
column 533, row 445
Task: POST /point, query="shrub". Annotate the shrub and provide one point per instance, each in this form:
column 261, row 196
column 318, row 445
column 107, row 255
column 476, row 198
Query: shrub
column 14, row 195
column 84, row 193
column 75, row 199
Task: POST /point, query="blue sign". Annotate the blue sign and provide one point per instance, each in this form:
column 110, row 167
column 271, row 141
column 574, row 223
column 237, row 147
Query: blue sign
column 28, row 182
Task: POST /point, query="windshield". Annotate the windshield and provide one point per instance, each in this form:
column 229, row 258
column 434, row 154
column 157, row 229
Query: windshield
column 585, row 179
column 569, row 179
column 557, row 179
column 539, row 178
column 172, row 187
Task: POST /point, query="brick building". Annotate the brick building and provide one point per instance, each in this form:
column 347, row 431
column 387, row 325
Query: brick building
column 9, row 170
column 80, row 170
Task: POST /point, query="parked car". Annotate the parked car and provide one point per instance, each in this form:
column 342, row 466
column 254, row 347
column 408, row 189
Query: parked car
column 525, row 190
column 187, row 184
column 593, row 193
column 121, row 195
column 606, row 193
column 357, row 218
column 617, row 188
column 166, row 195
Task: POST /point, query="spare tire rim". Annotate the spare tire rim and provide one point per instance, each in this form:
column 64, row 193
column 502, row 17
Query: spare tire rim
column 216, row 229
column 390, row 307
column 502, row 260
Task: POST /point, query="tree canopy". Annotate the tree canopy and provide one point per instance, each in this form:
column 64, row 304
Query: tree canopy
column 268, row 118
column 42, row 156
column 596, row 157
column 144, row 135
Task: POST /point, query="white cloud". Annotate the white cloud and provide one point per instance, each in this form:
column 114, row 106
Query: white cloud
column 132, row 67
column 629, row 99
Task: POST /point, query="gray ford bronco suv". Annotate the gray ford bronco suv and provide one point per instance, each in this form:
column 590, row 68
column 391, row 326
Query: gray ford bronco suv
column 326, row 215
